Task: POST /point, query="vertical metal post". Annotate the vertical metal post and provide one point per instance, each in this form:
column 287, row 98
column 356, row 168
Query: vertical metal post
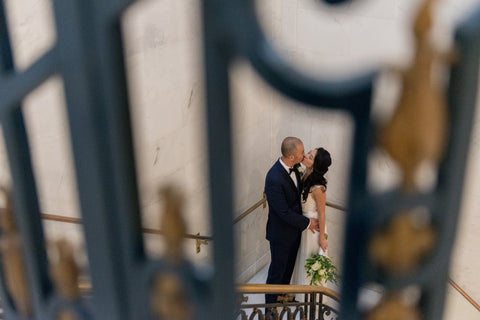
column 462, row 101
column 25, row 198
column 320, row 307
column 106, row 189
column 356, row 225
column 216, row 52
column 311, row 306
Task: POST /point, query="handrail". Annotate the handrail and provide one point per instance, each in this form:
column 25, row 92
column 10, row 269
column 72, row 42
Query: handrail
column 247, row 289
column 335, row 206
column 86, row 287
column 285, row 288
column 263, row 202
column 252, row 208
column 58, row 218
column 464, row 294
column 313, row 306
column 198, row 238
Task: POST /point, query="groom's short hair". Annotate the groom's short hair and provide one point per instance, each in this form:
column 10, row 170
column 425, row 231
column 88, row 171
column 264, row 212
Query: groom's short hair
column 289, row 146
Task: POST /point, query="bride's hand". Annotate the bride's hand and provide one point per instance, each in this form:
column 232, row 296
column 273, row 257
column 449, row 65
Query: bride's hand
column 323, row 243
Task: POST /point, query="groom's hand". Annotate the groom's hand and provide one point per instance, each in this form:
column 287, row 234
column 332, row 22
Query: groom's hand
column 314, row 227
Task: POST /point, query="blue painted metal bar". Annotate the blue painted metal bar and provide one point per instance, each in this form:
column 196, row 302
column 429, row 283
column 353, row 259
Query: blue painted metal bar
column 217, row 58
column 462, row 101
column 82, row 70
column 25, row 200
column 250, row 41
column 26, row 207
column 13, row 87
column 5, row 50
column 120, row 173
column 356, row 234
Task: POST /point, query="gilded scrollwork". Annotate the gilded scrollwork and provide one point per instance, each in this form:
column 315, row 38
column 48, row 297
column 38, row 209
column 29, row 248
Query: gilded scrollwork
column 418, row 130
column 388, row 249
column 12, row 258
column 416, row 134
column 65, row 271
column 393, row 307
column 173, row 224
column 65, row 276
column 169, row 299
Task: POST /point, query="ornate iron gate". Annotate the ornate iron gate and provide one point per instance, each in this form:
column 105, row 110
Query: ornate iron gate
column 88, row 56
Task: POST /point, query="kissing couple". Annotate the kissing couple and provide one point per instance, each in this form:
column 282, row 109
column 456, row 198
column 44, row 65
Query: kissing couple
column 296, row 188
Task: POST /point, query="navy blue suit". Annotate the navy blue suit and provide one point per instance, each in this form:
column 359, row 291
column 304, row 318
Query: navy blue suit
column 284, row 226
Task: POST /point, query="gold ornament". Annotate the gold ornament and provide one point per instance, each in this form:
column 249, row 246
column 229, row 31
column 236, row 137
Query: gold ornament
column 173, row 225
column 401, row 246
column 394, row 308
column 418, row 130
column 12, row 259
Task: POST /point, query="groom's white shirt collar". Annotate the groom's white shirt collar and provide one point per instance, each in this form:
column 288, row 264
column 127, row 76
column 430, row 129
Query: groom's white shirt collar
column 284, row 165
column 294, row 177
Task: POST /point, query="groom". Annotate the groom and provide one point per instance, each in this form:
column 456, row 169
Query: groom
column 285, row 219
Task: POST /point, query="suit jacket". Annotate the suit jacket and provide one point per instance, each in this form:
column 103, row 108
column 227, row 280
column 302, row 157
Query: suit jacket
column 285, row 219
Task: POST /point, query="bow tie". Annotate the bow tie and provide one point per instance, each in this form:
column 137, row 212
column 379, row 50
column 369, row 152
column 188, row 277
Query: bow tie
column 295, row 168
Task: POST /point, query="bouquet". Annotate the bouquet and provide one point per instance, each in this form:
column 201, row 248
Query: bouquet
column 320, row 269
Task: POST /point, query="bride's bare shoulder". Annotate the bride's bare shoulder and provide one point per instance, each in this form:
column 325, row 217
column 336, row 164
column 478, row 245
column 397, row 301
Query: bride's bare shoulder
column 320, row 187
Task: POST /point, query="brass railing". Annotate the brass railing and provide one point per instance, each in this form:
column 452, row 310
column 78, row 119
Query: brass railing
column 464, row 294
column 335, row 206
column 262, row 202
column 314, row 302
column 199, row 239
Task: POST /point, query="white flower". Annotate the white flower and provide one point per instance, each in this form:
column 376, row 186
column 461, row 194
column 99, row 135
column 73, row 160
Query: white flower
column 316, row 266
column 321, row 273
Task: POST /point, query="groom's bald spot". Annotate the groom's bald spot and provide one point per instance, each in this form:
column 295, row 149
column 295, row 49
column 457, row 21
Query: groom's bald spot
column 289, row 146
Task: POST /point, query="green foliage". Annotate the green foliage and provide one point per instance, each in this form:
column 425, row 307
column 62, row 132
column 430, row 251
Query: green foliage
column 320, row 269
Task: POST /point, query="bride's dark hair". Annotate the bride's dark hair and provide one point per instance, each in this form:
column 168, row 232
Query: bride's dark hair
column 320, row 166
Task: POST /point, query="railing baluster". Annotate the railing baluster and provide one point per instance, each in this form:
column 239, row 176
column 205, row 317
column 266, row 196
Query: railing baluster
column 313, row 304
column 319, row 309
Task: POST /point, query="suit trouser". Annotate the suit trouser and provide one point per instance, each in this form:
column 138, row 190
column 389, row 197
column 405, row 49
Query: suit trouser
column 281, row 266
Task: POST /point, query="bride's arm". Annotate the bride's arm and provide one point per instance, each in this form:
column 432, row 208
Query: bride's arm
column 320, row 197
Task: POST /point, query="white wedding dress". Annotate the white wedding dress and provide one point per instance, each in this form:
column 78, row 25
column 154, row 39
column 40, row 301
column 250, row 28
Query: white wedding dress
column 369, row 296
column 309, row 242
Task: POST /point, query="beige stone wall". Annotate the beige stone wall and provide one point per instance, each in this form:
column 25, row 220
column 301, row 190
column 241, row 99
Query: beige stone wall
column 164, row 61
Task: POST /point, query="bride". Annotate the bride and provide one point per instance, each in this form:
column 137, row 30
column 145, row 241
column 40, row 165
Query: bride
column 314, row 197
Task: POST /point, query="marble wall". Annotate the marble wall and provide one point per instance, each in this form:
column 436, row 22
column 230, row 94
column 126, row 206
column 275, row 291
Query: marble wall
column 164, row 63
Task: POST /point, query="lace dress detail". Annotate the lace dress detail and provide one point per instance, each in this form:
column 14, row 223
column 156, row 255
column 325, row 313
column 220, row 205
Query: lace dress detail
column 309, row 242
column 309, row 206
